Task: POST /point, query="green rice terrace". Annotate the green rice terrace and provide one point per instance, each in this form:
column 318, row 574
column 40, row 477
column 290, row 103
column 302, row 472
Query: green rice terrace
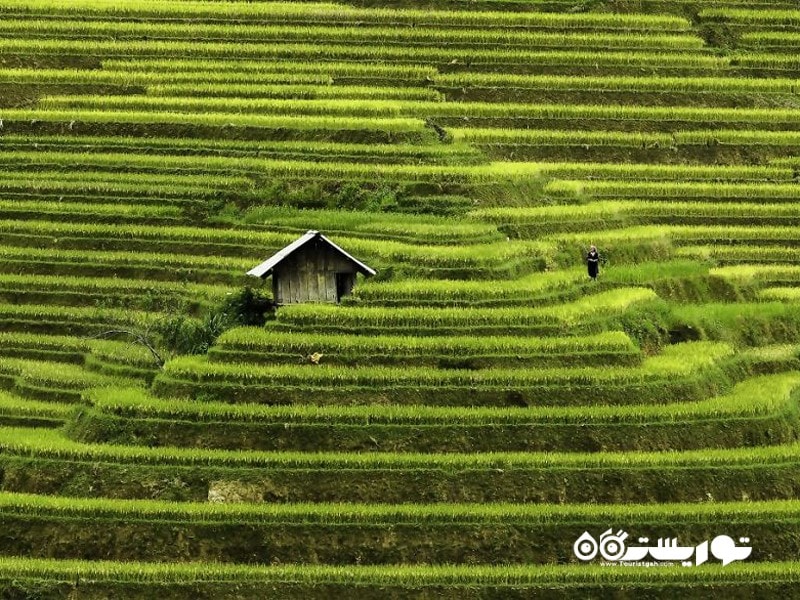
column 460, row 422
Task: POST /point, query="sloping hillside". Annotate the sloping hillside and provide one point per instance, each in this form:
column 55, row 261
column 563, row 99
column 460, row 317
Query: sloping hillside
column 457, row 423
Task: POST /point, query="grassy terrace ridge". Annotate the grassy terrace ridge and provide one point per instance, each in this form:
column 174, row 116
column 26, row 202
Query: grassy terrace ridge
column 774, row 392
column 72, row 313
column 457, row 581
column 758, row 411
column 468, row 38
column 52, row 444
column 71, row 320
column 576, row 190
column 109, row 291
column 76, row 211
column 734, row 235
column 333, row 151
column 534, row 222
column 99, row 263
column 699, row 173
column 333, row 513
column 342, row 79
column 676, row 359
column 140, row 182
column 667, row 141
column 554, row 116
column 295, row 91
column 51, row 464
column 358, row 317
column 560, row 61
column 72, row 349
column 493, row 172
column 263, row 340
column 414, row 525
column 283, row 12
column 187, row 69
column 690, row 371
column 63, row 469
column 369, row 130
column 779, row 293
column 210, row 70
column 15, row 406
column 544, row 287
column 428, row 292
column 759, row 273
column 613, row 83
column 66, row 376
column 243, row 243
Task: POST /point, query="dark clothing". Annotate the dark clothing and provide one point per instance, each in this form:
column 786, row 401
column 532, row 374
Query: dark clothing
column 593, row 263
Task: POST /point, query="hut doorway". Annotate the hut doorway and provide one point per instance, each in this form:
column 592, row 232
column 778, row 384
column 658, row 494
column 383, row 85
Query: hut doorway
column 344, row 284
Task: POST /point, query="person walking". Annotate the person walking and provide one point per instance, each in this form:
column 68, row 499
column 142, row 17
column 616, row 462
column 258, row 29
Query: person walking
column 593, row 262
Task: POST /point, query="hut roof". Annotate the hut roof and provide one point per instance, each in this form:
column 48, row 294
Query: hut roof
column 265, row 268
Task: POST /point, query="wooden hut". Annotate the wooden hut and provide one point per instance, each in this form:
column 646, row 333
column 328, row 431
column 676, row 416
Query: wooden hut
column 311, row 269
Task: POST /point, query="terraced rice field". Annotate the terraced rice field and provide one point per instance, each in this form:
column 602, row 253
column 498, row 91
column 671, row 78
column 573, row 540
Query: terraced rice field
column 457, row 423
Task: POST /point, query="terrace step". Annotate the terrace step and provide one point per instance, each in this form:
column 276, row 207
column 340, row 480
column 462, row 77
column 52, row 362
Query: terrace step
column 366, row 534
column 759, row 411
column 44, row 461
column 457, row 582
column 689, row 371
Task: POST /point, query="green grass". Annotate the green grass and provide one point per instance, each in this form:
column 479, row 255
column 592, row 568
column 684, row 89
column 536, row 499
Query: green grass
column 244, row 71
column 639, row 172
column 90, row 211
column 111, row 286
column 300, row 92
column 559, row 60
column 756, row 412
column 14, row 406
column 768, row 577
column 70, row 320
column 742, row 323
column 770, row 41
column 364, row 34
column 760, row 274
column 108, row 122
column 55, row 375
column 53, row 445
column 744, row 16
column 649, row 141
column 69, row 79
column 163, row 266
column 695, row 85
column 411, row 291
column 261, row 345
column 259, row 245
column 670, row 191
column 418, row 228
column 691, row 235
column 563, row 316
column 304, row 150
column 786, row 294
column 115, row 183
column 727, row 255
column 434, row 514
column 686, row 371
column 283, row 12
column 554, row 116
column 535, row 222
column 759, row 396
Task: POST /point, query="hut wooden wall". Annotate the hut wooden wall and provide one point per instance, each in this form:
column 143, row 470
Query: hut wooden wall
column 309, row 275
